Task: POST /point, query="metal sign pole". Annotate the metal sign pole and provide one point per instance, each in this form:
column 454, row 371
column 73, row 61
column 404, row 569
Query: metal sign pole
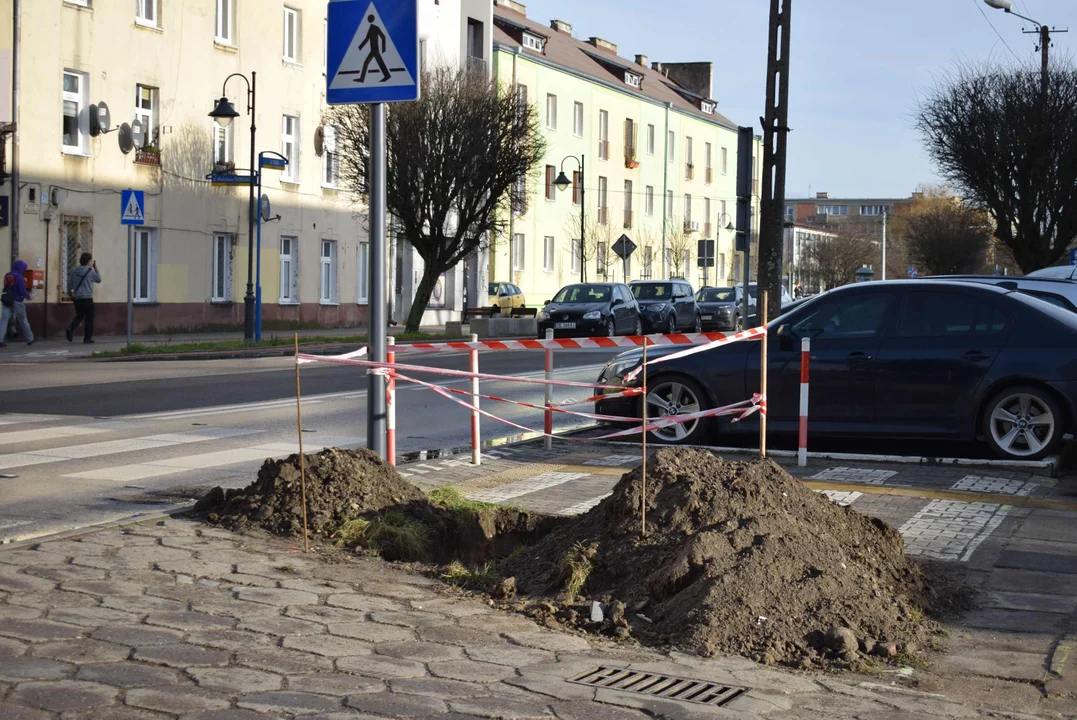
column 376, row 410
column 130, row 280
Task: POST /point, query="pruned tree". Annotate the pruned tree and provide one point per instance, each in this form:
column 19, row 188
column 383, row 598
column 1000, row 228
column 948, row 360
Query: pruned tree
column 649, row 239
column 452, row 159
column 833, row 262
column 679, row 243
column 946, row 236
column 596, row 236
column 1011, row 149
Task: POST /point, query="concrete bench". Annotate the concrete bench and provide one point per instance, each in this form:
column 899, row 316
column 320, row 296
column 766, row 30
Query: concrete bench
column 502, row 327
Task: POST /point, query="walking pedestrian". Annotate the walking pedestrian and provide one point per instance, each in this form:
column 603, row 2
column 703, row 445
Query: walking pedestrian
column 80, row 286
column 13, row 299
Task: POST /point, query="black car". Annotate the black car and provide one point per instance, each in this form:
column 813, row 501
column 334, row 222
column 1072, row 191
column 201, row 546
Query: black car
column 722, row 307
column 906, row 359
column 591, row 309
column 667, row 306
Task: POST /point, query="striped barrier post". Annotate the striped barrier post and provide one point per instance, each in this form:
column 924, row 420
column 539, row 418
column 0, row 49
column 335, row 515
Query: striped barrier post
column 390, row 403
column 473, row 366
column 547, row 424
column 802, row 444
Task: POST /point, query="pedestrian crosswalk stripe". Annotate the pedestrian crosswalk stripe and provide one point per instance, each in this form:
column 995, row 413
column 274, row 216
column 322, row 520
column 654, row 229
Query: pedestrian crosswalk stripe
column 581, row 508
column 525, row 487
column 20, row 419
column 53, row 433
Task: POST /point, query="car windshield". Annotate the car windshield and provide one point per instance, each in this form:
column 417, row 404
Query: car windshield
column 492, row 290
column 652, row 291
column 583, row 294
column 716, row 295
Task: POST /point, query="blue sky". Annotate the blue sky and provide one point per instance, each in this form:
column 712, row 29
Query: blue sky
column 858, row 69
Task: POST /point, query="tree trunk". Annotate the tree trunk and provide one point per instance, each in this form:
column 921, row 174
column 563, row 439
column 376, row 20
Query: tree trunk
column 422, row 297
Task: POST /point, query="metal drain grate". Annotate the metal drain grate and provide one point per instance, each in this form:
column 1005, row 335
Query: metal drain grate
column 663, row 686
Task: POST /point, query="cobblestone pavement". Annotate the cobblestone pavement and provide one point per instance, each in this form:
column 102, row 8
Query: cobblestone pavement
column 172, row 619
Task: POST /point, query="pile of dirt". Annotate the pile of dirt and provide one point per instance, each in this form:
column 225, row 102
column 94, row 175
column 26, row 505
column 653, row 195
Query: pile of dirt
column 341, row 485
column 740, row 557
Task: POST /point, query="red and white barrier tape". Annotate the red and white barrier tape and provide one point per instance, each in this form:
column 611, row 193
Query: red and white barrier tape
column 303, row 359
column 751, row 334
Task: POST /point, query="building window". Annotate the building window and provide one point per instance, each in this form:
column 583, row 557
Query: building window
column 330, row 158
column 76, row 119
column 603, row 135
column 650, row 139
column 551, row 175
column 832, row 210
column 519, row 196
column 222, row 268
column 521, row 100
column 547, row 253
column 688, row 211
column 475, row 45
column 628, row 204
column 225, row 21
column 146, row 99
column 721, row 271
column 551, row 112
column 603, row 206
column 83, row 3
column 648, row 262
column 577, row 119
column 790, row 212
column 648, row 200
column 289, row 148
column 533, row 42
column 577, row 189
column 670, row 150
column 669, row 203
column 516, row 251
column 630, row 140
column 291, row 35
column 709, row 174
column 77, row 238
column 222, row 144
column 707, row 107
column 633, row 79
column 145, row 265
column 577, row 256
column 146, row 12
column 328, row 285
column 289, row 270
column 725, row 161
column 364, row 272
column 601, row 259
column 325, row 46
column 689, row 165
column 874, row 210
column 707, row 229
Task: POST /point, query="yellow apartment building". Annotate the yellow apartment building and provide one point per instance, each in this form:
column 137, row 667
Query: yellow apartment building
column 660, row 163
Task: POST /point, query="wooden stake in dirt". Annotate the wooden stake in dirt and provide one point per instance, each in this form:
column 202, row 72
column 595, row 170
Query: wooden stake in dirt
column 643, row 468
column 763, row 378
column 302, row 460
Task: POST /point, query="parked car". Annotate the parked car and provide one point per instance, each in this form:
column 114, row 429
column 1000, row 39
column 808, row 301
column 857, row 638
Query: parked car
column 667, row 306
column 591, row 309
column 1059, row 272
column 925, row 359
column 1057, row 291
column 504, row 296
column 722, row 308
column 753, row 290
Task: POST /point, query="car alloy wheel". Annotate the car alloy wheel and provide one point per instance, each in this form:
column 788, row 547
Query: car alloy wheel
column 638, row 330
column 611, row 329
column 698, row 327
column 1023, row 423
column 738, row 324
column 670, row 398
column 672, row 326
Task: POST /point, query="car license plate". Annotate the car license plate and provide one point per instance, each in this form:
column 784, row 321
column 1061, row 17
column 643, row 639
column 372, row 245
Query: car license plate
column 708, row 317
column 564, row 326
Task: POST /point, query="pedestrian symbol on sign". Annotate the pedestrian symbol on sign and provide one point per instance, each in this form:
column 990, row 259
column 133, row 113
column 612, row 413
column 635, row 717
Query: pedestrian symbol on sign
column 132, row 207
column 372, row 57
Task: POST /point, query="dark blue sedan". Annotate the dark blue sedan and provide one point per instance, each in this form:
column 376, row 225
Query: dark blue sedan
column 900, row 359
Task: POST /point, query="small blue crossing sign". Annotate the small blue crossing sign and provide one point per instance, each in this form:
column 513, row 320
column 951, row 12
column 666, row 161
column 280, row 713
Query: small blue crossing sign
column 373, row 54
column 132, row 207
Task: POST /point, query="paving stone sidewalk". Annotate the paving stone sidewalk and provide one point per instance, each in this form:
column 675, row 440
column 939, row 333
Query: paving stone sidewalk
column 177, row 620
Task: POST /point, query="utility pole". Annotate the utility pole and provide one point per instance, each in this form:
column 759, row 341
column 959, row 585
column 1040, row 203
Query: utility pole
column 775, row 141
column 1045, row 54
column 884, row 245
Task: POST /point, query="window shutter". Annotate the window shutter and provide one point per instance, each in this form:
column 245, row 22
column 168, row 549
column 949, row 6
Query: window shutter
column 294, row 279
column 153, row 266
column 228, row 269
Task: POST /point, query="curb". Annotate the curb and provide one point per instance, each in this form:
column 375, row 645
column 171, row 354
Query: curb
column 17, row 541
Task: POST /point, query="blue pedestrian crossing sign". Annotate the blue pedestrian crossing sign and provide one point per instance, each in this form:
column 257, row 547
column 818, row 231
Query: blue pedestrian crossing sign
column 373, row 53
column 132, row 207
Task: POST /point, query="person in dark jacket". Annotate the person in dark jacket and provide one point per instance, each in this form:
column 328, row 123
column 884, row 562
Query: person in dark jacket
column 15, row 293
column 80, row 286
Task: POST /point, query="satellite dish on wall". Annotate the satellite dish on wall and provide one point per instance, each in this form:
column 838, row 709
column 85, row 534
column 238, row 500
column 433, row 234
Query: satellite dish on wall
column 319, row 141
column 126, row 139
column 138, row 134
column 104, row 118
column 266, row 208
column 55, row 196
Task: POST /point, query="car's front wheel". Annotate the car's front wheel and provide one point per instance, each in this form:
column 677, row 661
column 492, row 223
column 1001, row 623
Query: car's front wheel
column 638, row 329
column 1023, row 423
column 670, row 398
column 611, row 328
column 698, row 327
column 671, row 326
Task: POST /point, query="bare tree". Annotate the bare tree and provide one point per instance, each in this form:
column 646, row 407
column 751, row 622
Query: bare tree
column 452, row 158
column 1011, row 150
column 833, row 262
column 679, row 244
column 948, row 237
column 649, row 238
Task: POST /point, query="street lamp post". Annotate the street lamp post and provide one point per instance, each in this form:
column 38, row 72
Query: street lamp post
column 728, row 220
column 563, row 182
column 1045, row 40
column 223, row 113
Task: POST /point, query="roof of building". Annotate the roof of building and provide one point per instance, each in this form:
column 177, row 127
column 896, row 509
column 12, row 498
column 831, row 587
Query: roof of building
column 847, row 201
column 568, row 52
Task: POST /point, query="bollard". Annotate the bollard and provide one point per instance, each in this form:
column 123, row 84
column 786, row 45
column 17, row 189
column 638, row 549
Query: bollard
column 763, row 376
column 473, row 365
column 390, row 403
column 548, row 421
column 802, row 444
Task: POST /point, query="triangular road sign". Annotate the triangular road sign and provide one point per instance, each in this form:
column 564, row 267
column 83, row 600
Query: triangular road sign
column 132, row 203
column 132, row 211
column 372, row 59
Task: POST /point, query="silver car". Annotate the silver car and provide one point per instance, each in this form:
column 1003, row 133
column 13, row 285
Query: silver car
column 1057, row 291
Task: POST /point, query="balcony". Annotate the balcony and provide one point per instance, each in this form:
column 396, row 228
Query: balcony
column 603, row 149
column 689, row 171
column 148, row 156
column 629, row 216
column 690, row 226
column 603, row 216
column 477, row 66
column 708, row 177
column 631, row 160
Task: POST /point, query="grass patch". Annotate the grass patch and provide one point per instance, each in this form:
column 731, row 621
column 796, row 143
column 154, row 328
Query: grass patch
column 576, row 567
column 394, row 535
column 474, row 579
column 269, row 342
column 451, row 499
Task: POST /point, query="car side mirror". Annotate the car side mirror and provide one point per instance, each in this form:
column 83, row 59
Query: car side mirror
column 616, row 302
column 545, row 303
column 785, row 338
